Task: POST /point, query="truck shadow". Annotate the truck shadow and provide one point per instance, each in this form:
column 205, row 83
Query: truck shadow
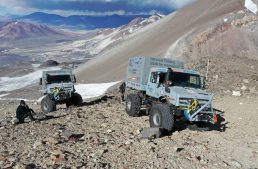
column 221, row 125
column 183, row 124
column 97, row 101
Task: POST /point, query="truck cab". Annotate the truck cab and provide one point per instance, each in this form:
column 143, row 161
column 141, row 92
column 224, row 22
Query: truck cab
column 179, row 87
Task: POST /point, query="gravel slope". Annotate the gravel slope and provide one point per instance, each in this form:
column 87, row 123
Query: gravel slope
column 105, row 137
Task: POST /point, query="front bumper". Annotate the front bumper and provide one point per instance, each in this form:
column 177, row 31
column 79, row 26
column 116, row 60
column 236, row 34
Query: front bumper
column 62, row 96
column 202, row 112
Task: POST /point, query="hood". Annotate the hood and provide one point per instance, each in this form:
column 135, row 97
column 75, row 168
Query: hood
column 186, row 92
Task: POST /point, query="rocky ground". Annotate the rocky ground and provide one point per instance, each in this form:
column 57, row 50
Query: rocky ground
column 101, row 135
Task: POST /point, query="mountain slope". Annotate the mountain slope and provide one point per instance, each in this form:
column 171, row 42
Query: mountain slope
column 110, row 37
column 156, row 39
column 20, row 30
column 75, row 47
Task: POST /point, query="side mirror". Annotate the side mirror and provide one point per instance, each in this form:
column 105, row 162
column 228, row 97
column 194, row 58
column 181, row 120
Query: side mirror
column 47, row 79
column 74, row 79
column 203, row 85
column 40, row 81
column 203, row 82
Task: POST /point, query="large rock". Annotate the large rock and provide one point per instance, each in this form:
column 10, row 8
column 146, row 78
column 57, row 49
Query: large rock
column 236, row 93
column 151, row 132
column 49, row 63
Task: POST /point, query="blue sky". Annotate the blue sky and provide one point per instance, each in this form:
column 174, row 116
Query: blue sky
column 90, row 7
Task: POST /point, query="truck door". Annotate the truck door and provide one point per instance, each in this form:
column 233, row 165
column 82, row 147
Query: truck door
column 160, row 91
column 152, row 84
column 155, row 84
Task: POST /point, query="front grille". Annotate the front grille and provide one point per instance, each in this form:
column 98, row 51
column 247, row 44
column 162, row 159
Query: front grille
column 184, row 102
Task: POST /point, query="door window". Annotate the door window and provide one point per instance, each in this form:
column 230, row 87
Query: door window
column 154, row 77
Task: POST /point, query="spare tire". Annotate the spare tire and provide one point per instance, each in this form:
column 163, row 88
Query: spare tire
column 47, row 105
column 133, row 105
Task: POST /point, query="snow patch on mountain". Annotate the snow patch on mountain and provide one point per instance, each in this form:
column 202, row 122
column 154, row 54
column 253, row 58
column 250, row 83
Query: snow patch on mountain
column 107, row 37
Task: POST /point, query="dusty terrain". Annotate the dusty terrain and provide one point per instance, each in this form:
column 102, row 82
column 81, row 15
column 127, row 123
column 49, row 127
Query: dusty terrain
column 104, row 136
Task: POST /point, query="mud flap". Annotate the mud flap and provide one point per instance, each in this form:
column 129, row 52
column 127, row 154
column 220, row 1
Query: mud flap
column 215, row 118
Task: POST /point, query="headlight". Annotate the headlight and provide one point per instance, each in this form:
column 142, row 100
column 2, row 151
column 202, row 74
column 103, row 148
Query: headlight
column 190, row 101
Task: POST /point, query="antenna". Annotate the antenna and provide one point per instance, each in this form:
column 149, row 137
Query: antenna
column 207, row 70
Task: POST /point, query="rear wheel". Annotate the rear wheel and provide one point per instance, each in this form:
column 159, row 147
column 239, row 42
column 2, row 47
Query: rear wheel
column 133, row 105
column 162, row 117
column 48, row 105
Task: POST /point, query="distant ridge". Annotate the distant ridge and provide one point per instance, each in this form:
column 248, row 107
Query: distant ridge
column 81, row 21
column 20, row 30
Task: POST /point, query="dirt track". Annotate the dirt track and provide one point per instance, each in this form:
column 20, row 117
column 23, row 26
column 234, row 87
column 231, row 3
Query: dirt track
column 111, row 139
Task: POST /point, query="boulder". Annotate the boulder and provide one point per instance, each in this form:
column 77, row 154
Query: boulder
column 151, row 132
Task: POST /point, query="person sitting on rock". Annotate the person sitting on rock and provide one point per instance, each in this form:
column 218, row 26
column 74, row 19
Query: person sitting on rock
column 23, row 111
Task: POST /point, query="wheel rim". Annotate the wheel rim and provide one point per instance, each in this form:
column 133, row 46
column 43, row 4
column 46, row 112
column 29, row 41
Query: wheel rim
column 45, row 106
column 129, row 104
column 157, row 119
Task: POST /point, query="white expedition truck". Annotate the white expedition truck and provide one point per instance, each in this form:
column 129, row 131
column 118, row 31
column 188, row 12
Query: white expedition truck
column 168, row 90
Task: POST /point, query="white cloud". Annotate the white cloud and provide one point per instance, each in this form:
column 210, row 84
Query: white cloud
column 16, row 7
column 171, row 3
column 93, row 13
column 180, row 3
column 21, row 7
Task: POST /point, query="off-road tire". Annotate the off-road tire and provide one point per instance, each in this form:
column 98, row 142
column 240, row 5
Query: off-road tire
column 48, row 105
column 133, row 105
column 75, row 100
column 162, row 117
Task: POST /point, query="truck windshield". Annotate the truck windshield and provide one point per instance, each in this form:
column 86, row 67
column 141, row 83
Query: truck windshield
column 185, row 80
column 58, row 79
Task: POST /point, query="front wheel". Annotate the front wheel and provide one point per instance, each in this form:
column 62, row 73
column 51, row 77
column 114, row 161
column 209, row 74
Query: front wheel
column 162, row 117
column 75, row 100
column 48, row 105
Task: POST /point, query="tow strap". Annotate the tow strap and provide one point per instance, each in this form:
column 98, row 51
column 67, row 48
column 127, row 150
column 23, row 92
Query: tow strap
column 192, row 107
column 56, row 90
